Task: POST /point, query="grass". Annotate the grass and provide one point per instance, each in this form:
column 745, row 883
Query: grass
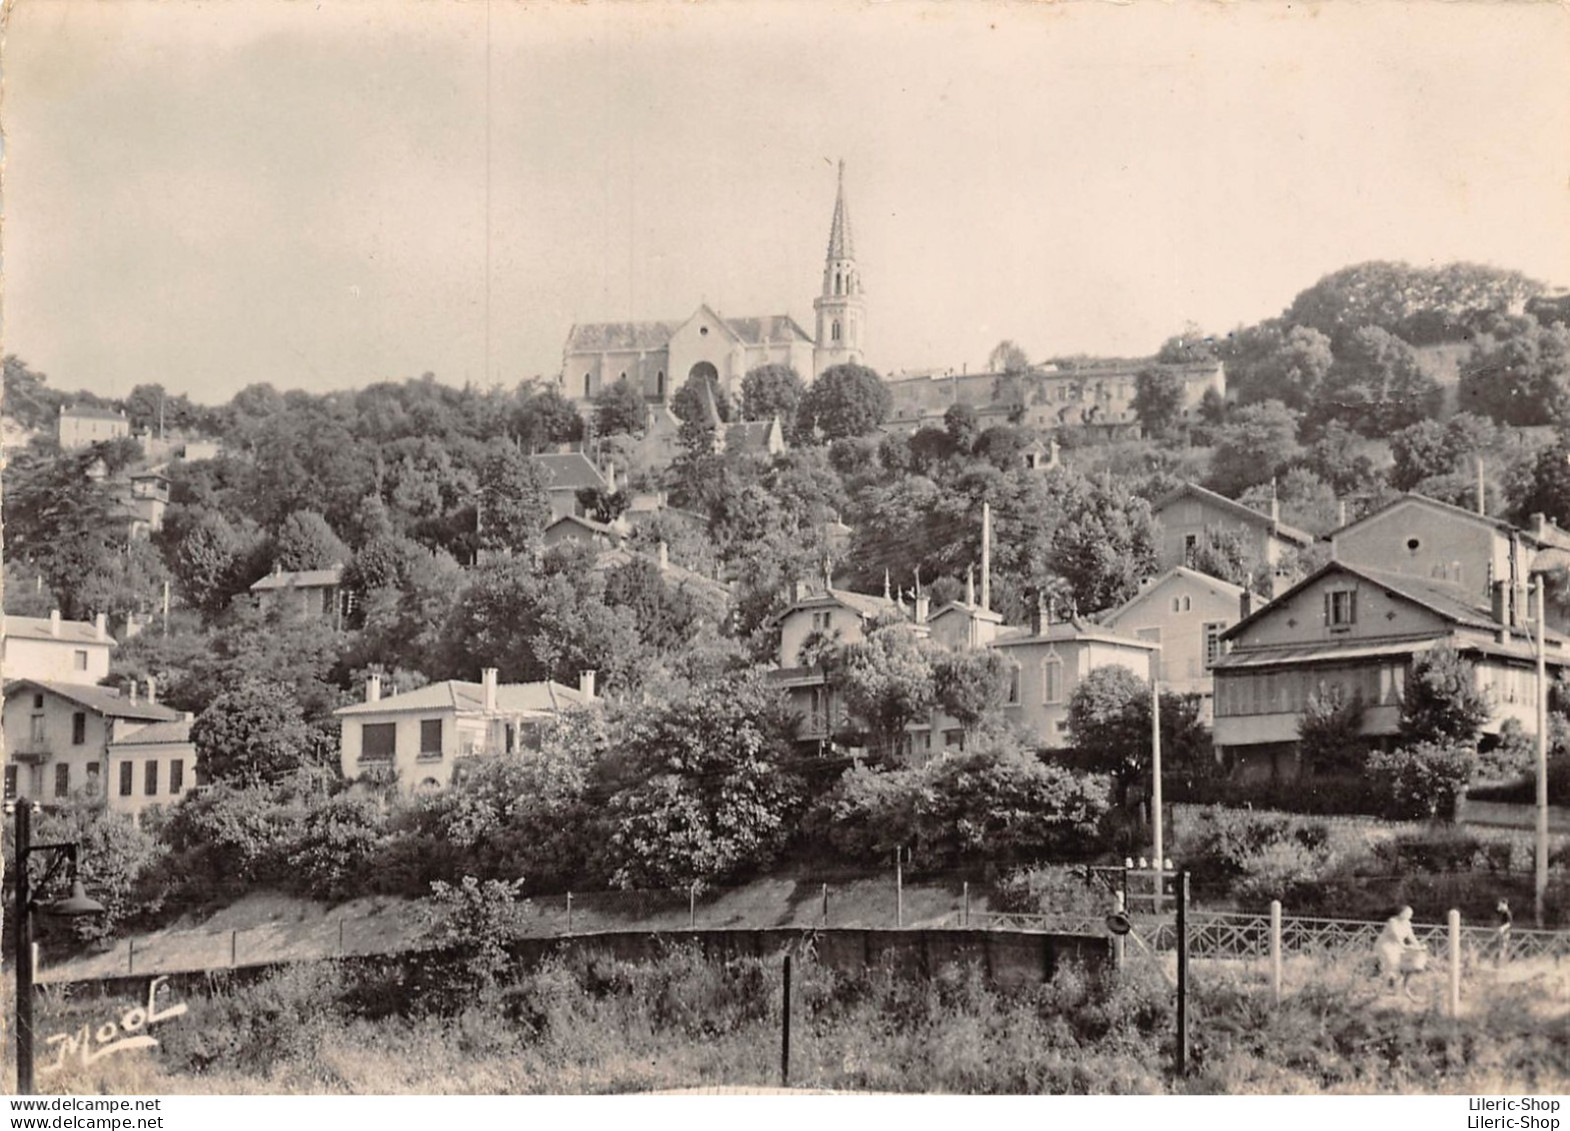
column 588, row 1024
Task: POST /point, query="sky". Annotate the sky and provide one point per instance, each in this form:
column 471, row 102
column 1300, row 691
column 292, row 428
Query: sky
column 323, row 195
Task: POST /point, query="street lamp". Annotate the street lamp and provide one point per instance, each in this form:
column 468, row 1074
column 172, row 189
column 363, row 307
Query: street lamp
column 77, row 904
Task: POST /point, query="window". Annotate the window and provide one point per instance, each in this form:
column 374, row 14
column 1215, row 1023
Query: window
column 378, row 741
column 150, row 777
column 587, row 386
column 834, row 331
column 62, row 779
column 1052, row 680
column 10, row 783
column 35, row 730
column 126, row 770
column 1213, row 631
column 1182, row 604
column 176, row 775
column 1014, row 687
column 38, row 702
column 92, row 777
column 430, row 738
column 954, row 740
column 821, row 621
column 79, row 728
column 79, row 659
column 1341, row 608
column 509, row 738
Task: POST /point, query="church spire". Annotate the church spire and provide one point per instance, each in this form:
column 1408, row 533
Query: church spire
column 841, row 245
column 841, row 310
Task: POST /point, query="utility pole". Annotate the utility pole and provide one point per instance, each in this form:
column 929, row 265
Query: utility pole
column 1540, row 887
column 1155, row 764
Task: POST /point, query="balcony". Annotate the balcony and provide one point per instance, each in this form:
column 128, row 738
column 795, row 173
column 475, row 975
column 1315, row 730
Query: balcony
column 33, row 752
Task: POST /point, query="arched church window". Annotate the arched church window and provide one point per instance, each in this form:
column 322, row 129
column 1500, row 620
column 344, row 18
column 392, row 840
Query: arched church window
column 586, row 386
column 834, row 331
column 659, row 384
column 839, row 283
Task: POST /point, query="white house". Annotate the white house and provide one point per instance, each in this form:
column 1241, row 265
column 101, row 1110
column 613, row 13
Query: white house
column 58, row 735
column 426, row 738
column 151, row 765
column 52, row 649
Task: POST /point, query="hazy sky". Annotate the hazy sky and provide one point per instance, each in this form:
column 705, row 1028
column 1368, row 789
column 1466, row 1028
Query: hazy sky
column 321, row 195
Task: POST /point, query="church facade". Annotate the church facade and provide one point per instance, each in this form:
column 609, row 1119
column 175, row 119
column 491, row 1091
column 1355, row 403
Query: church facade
column 659, row 357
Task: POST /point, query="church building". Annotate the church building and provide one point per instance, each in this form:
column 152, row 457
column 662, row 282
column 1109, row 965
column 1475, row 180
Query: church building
column 659, row 357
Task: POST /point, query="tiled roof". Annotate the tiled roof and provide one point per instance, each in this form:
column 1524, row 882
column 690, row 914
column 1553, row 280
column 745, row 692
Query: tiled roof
column 92, row 412
column 1236, row 509
column 1550, row 535
column 458, row 695
column 567, row 471
column 299, row 579
column 100, row 700
column 37, row 628
column 775, row 328
column 592, row 337
column 1226, row 588
column 586, row 523
column 673, row 573
column 748, row 435
column 1065, row 631
column 157, row 734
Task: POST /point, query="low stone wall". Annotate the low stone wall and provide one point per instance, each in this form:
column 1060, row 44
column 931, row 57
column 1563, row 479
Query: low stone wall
column 1009, row 959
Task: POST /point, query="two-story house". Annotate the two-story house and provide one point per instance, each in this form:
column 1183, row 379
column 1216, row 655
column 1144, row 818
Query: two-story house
column 59, row 734
column 1360, row 629
column 427, row 738
column 52, row 649
column 815, row 623
column 151, row 765
column 1050, row 658
column 1184, row 612
column 1186, row 514
column 1424, row 538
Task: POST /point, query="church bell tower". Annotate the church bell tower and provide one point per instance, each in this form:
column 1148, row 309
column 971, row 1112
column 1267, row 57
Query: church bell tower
column 841, row 308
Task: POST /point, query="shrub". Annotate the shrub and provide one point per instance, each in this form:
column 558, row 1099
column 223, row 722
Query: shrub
column 1424, row 779
column 474, row 921
column 1441, row 850
column 332, row 854
column 1442, row 704
column 1051, row 890
column 226, row 841
column 1262, row 849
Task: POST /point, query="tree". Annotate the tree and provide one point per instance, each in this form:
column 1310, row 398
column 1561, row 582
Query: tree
column 1420, row 304
column 1330, row 730
column 700, row 787
column 1158, row 402
column 1271, row 362
column 688, row 401
column 1105, row 546
column 1520, row 378
column 971, row 687
column 1442, row 702
column 1108, row 724
column 250, row 736
column 305, row 541
column 1547, row 487
column 513, row 507
column 544, row 418
column 887, row 679
column 846, row 400
column 27, row 400
column 772, row 390
column 1008, row 358
column 1423, row 779
column 1254, row 446
column 618, row 409
column 1191, row 347
column 1376, row 386
column 1224, row 552
column 1338, row 459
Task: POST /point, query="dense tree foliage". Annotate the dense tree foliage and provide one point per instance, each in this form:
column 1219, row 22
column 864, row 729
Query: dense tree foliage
column 846, row 400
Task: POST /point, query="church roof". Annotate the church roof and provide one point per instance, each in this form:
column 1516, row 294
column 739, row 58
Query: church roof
column 841, row 245
column 590, row 337
column 769, row 328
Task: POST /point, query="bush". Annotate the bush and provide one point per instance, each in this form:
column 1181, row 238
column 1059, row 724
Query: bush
column 1424, row 779
column 225, row 841
column 1257, row 855
column 332, row 854
column 994, row 805
column 1442, row 850
column 1048, row 890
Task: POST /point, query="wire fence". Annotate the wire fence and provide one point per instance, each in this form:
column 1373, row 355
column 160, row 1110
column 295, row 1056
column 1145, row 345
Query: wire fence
column 933, row 900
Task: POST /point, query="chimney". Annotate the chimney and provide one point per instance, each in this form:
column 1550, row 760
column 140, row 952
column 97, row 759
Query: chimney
column 132, row 690
column 664, row 552
column 488, row 689
column 1482, row 496
column 610, row 479
column 373, row 688
column 1540, row 525
column 586, row 684
column 101, row 626
column 152, row 689
column 1245, row 605
column 970, row 586
column 1275, row 503
column 1040, row 616
column 923, row 607
column 1499, row 597
column 986, row 555
column 54, row 622
column 1340, row 513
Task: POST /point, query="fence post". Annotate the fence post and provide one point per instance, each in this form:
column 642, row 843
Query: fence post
column 899, row 887
column 1275, row 950
column 967, row 903
column 1455, row 964
column 825, row 905
column 785, row 1031
column 569, row 913
column 130, row 955
column 234, row 948
column 1182, row 975
column 1119, row 942
column 692, row 906
column 341, row 950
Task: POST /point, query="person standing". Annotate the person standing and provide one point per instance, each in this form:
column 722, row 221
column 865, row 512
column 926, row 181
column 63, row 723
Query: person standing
column 1502, row 921
column 1400, row 954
